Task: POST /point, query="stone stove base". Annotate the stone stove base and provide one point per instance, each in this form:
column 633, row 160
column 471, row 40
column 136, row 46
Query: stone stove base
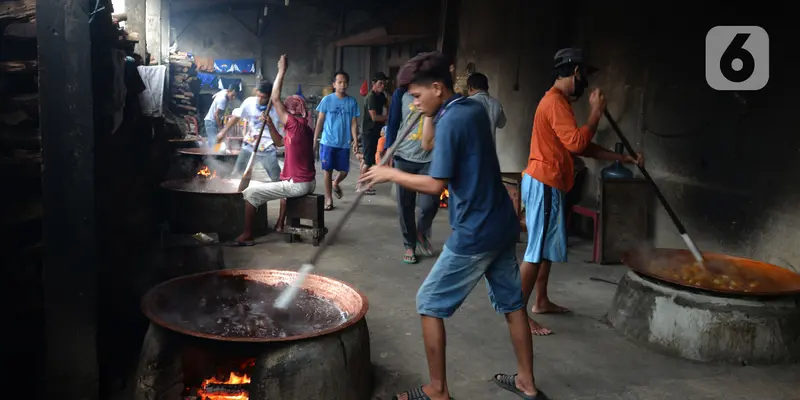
column 335, row 366
column 703, row 327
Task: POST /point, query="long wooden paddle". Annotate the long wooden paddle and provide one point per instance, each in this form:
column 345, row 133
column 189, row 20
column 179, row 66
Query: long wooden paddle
column 675, row 220
column 248, row 172
column 288, row 294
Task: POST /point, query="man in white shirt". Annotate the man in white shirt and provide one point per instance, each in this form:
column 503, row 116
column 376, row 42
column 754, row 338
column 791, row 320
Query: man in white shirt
column 252, row 110
column 478, row 87
column 214, row 120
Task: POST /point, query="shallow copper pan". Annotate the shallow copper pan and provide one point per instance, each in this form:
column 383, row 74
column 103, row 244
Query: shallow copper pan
column 720, row 273
column 203, row 151
column 156, row 304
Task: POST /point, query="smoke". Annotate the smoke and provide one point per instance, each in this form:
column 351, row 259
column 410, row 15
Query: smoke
column 223, row 169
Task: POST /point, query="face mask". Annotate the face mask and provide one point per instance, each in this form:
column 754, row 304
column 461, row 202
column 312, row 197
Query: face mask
column 580, row 84
column 261, row 107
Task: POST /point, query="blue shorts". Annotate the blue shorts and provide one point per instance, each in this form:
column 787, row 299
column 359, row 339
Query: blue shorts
column 454, row 276
column 334, row 158
column 544, row 215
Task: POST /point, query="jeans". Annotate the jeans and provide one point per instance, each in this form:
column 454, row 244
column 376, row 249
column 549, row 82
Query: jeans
column 268, row 159
column 407, row 202
column 453, row 277
column 211, row 133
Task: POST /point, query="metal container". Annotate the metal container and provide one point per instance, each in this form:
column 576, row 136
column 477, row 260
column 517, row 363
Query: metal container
column 178, row 304
column 719, row 273
column 210, row 206
column 183, row 143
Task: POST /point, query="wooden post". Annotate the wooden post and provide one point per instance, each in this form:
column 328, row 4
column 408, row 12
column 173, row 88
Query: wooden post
column 448, row 28
column 70, row 263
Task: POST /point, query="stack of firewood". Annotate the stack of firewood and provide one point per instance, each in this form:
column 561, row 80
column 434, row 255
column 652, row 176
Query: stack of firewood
column 184, row 86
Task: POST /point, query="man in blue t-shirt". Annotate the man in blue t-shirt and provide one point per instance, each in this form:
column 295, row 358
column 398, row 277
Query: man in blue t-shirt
column 485, row 226
column 337, row 116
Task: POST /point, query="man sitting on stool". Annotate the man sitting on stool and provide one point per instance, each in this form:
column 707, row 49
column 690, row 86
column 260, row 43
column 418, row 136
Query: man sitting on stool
column 298, row 177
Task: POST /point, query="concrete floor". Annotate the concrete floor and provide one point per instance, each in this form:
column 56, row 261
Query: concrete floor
column 584, row 359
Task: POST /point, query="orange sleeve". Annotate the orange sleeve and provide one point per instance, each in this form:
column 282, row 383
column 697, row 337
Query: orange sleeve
column 563, row 122
column 381, row 145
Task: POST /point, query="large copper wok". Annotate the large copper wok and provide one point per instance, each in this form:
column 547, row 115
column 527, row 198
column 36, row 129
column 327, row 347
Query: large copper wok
column 203, row 151
column 191, row 303
column 719, row 273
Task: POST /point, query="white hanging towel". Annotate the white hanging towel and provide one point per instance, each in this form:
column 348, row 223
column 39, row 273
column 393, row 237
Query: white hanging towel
column 152, row 98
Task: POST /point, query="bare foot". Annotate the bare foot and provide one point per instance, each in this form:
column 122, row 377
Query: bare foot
column 538, row 330
column 525, row 387
column 549, row 307
column 278, row 228
column 244, row 238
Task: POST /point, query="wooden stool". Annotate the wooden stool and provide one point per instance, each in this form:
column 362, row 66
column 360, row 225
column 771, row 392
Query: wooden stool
column 310, row 207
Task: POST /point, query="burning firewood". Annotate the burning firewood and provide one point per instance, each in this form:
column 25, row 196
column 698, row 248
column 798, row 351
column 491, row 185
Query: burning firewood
column 228, row 389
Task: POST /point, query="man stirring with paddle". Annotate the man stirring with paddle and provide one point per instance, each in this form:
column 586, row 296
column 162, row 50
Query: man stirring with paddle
column 252, row 111
column 298, row 177
column 555, row 141
column 481, row 244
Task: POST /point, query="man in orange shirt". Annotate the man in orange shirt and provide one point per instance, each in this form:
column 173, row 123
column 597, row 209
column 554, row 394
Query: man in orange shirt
column 549, row 175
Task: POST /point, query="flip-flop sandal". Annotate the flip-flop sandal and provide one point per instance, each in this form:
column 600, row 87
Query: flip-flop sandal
column 424, row 247
column 236, row 243
column 328, row 207
column 414, row 394
column 507, row 382
column 338, row 192
column 409, row 259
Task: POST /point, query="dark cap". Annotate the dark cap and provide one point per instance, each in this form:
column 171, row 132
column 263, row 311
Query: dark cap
column 379, row 76
column 572, row 56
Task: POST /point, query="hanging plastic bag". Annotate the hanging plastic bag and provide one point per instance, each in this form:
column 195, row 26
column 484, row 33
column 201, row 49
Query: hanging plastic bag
column 364, row 88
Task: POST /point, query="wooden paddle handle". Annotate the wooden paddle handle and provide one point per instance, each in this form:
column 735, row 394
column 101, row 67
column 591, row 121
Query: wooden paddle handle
column 331, row 236
column 672, row 215
column 245, row 181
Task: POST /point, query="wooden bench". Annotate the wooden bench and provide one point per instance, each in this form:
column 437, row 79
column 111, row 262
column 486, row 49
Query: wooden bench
column 310, row 207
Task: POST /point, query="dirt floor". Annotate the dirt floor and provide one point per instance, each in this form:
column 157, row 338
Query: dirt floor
column 584, row 359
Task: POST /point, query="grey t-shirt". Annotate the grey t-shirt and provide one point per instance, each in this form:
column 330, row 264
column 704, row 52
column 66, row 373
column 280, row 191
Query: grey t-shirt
column 496, row 115
column 411, row 148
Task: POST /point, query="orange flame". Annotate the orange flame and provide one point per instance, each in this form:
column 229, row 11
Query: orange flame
column 443, row 198
column 235, row 378
column 206, row 172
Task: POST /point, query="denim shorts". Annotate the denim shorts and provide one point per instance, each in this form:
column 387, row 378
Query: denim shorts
column 454, row 276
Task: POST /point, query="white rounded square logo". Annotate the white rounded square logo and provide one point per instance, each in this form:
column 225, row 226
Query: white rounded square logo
column 737, row 58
